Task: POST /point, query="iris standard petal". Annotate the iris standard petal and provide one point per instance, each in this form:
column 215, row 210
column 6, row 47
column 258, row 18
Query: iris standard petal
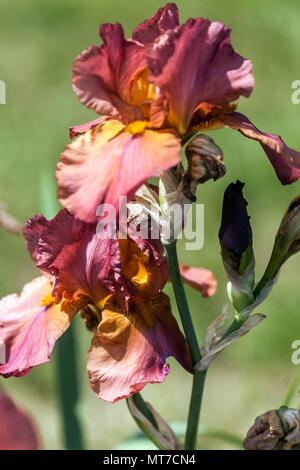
column 166, row 18
column 194, row 65
column 102, row 76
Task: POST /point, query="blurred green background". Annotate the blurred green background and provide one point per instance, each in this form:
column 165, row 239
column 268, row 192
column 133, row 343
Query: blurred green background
column 38, row 43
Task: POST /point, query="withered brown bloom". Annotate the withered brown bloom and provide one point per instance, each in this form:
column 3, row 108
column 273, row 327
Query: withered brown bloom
column 274, row 430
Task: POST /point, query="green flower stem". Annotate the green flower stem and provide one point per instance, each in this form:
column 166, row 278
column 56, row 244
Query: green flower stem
column 292, row 389
column 194, row 410
column 190, row 334
column 68, row 390
column 181, row 301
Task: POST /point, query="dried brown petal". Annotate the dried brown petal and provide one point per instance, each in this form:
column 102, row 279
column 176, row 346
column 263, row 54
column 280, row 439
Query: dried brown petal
column 274, row 430
column 266, row 432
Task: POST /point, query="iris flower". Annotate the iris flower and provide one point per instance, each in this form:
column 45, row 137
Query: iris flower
column 153, row 92
column 116, row 285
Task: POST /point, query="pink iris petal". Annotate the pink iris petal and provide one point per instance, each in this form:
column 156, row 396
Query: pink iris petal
column 85, row 266
column 130, row 351
column 82, row 128
column 286, row 161
column 102, row 76
column 195, row 63
column 108, row 162
column 30, row 324
column 200, row 279
column 166, row 18
column 17, row 431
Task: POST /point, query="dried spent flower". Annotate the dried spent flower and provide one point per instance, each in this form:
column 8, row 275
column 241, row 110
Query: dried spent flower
column 205, row 159
column 274, row 430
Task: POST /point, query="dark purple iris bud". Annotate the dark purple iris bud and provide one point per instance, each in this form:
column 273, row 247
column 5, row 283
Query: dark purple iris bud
column 235, row 233
column 235, row 236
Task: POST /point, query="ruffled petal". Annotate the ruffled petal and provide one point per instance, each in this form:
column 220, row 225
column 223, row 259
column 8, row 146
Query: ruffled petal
column 40, row 223
column 195, row 65
column 130, row 351
column 285, row 161
column 17, row 431
column 102, row 76
column 30, row 324
column 166, row 18
column 86, row 167
column 82, row 128
column 85, row 266
column 110, row 161
column 200, row 279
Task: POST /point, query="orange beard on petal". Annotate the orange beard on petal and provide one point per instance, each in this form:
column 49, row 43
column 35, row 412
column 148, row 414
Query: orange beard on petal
column 137, row 127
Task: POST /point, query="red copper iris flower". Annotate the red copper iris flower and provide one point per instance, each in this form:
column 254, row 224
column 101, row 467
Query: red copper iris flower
column 116, row 285
column 153, row 91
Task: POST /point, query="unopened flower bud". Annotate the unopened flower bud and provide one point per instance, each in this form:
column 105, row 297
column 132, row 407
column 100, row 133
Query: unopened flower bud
column 286, row 244
column 274, row 430
column 205, row 159
column 287, row 241
column 235, row 236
